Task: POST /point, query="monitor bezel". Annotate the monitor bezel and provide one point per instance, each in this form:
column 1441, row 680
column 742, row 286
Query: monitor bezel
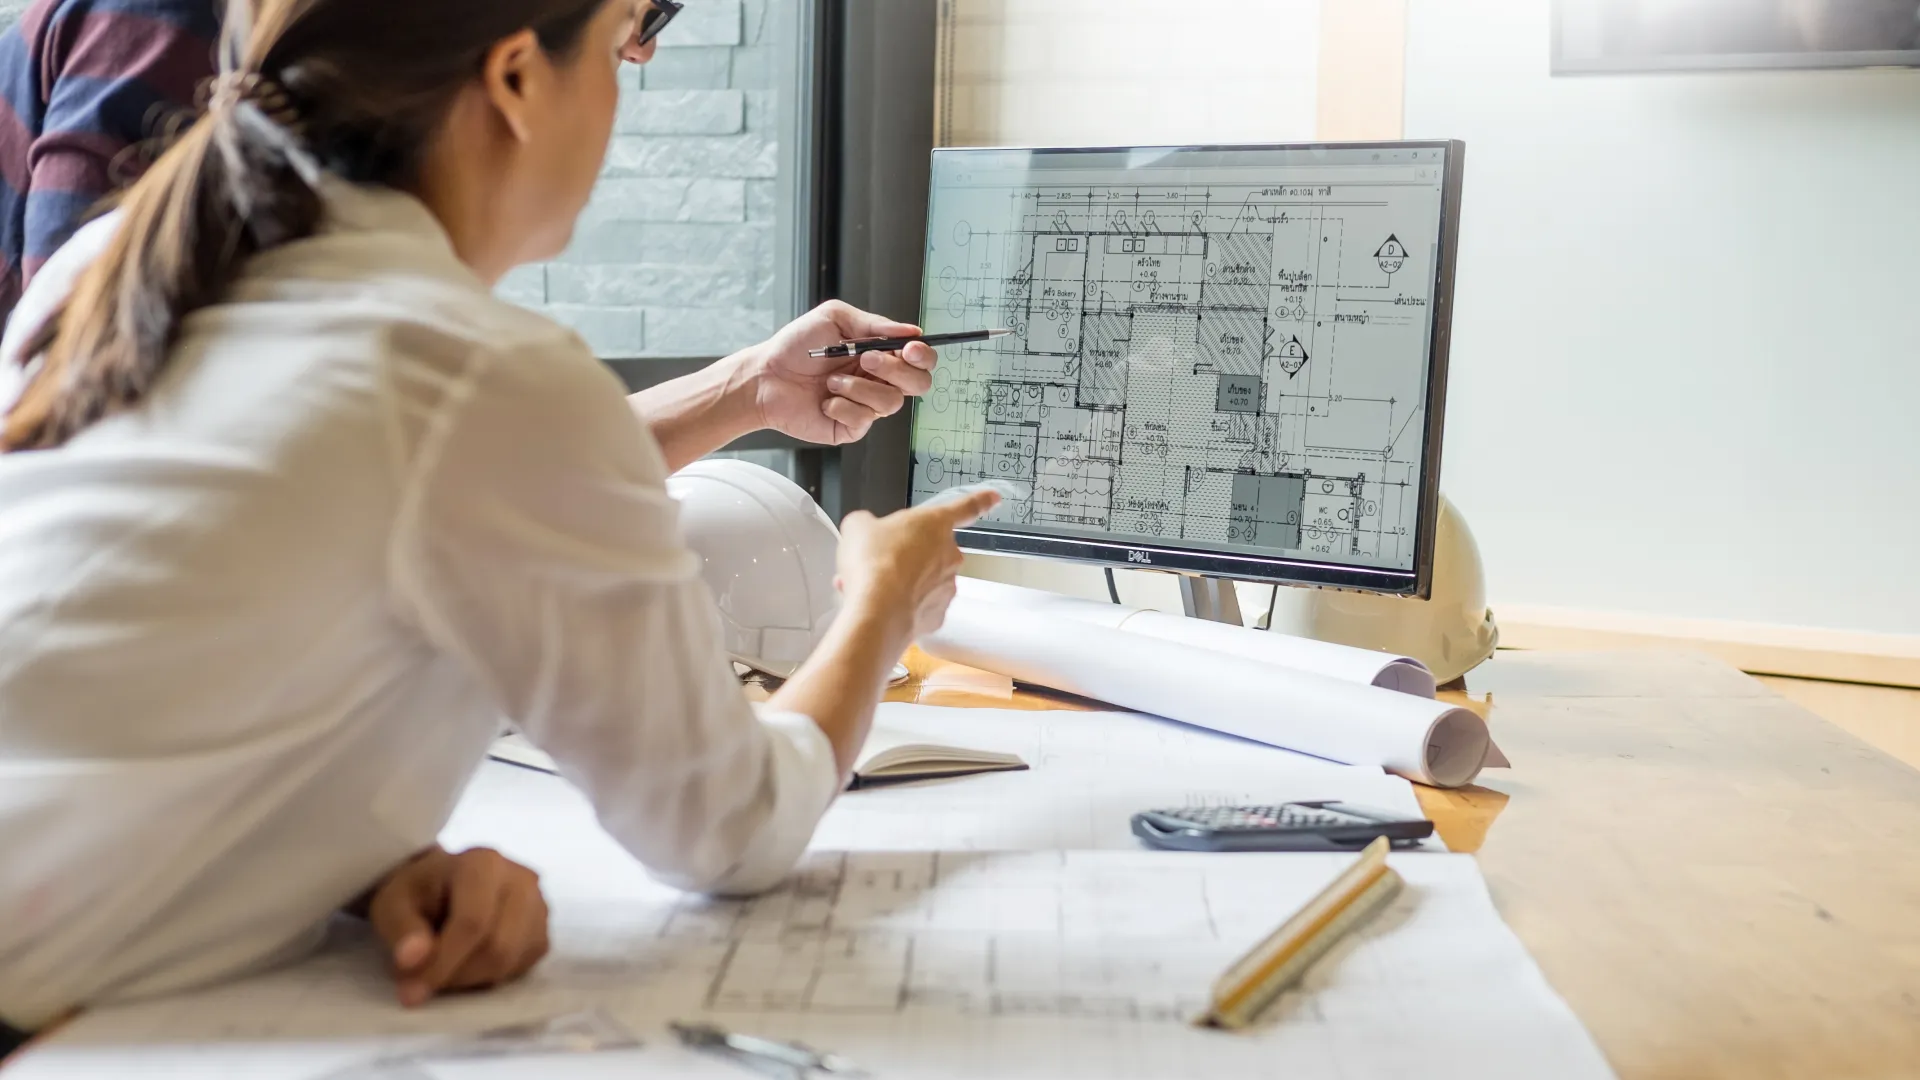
column 1416, row 583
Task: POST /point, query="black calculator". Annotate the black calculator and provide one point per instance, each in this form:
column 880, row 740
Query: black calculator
column 1294, row 826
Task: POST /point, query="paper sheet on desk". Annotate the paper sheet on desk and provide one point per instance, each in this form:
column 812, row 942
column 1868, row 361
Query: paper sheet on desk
column 1090, row 773
column 924, row 965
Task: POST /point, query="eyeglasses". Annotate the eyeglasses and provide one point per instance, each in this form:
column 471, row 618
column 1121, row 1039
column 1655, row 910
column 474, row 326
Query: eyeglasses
column 659, row 13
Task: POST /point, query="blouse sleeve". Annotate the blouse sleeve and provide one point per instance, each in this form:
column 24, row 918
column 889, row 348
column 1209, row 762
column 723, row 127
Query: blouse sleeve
column 538, row 546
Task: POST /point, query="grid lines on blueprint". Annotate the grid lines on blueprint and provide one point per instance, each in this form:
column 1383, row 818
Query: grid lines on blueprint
column 1223, row 365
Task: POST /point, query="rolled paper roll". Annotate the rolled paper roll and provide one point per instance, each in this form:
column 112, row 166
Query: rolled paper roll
column 1419, row 738
column 1343, row 662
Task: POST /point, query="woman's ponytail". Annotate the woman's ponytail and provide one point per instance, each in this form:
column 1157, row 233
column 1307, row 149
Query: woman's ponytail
column 234, row 184
column 352, row 88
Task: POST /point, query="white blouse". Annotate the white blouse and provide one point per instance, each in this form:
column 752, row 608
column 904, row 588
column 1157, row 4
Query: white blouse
column 257, row 633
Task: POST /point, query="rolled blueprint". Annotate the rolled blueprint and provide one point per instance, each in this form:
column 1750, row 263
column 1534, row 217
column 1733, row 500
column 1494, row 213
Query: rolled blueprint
column 1343, row 662
column 1419, row 738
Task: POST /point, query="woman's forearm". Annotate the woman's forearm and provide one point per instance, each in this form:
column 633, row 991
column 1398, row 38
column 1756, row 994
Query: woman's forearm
column 694, row 415
column 841, row 683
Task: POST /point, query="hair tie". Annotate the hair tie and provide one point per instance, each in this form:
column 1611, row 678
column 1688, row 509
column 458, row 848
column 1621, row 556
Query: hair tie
column 235, row 88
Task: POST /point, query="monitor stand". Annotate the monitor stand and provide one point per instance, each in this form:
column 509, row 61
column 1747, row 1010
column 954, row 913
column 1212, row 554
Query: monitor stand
column 1210, row 598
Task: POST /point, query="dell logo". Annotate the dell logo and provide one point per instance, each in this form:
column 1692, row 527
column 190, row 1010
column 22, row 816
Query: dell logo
column 1137, row 556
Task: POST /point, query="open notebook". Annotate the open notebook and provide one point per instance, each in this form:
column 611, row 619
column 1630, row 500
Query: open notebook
column 890, row 757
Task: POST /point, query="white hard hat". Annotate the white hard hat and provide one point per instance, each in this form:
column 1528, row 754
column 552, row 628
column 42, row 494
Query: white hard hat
column 1450, row 633
column 767, row 554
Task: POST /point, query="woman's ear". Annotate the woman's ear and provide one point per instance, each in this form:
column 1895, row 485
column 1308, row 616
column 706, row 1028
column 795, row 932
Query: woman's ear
column 516, row 69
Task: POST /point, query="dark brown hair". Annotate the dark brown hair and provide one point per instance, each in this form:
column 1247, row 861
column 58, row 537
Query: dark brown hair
column 356, row 88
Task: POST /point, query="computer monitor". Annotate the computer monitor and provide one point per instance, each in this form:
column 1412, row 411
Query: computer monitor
column 1224, row 360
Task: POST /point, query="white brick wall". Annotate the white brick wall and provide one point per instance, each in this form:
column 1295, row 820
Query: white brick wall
column 707, row 22
column 674, row 255
column 683, row 112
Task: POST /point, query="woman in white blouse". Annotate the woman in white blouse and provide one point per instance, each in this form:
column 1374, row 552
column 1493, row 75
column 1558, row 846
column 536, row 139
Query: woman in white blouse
column 292, row 511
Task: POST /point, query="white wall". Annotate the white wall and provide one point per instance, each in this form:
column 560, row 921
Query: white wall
column 1686, row 356
column 1130, row 72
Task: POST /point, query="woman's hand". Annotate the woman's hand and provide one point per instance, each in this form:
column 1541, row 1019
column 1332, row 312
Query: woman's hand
column 459, row 922
column 824, row 400
column 906, row 563
column 834, row 400
column 897, row 576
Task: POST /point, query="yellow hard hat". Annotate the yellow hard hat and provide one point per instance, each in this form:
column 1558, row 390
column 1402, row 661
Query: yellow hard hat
column 1451, row 633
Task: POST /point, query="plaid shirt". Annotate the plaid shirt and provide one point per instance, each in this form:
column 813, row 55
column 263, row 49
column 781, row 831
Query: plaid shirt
column 82, row 81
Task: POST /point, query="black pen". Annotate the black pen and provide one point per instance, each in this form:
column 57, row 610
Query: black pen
column 895, row 344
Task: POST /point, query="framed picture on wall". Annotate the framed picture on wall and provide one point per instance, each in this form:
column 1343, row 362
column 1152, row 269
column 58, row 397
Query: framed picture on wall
column 1614, row 36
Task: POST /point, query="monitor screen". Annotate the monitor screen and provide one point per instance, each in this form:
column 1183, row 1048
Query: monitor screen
column 1227, row 360
column 1686, row 35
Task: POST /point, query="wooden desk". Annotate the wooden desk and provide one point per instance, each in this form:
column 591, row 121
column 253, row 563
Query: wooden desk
column 1720, row 883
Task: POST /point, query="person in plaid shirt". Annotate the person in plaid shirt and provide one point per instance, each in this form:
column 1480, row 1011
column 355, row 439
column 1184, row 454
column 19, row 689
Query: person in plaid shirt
column 82, row 84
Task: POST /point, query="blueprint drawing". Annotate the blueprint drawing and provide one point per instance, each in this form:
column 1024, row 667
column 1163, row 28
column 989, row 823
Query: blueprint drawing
column 939, row 965
column 1230, row 359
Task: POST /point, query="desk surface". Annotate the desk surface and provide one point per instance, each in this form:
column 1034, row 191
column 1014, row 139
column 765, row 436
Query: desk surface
column 1719, row 882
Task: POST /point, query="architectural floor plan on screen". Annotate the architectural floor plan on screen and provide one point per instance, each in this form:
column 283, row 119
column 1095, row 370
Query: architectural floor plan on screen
column 1232, row 363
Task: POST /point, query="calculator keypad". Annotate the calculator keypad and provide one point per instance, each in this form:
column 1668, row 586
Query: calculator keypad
column 1284, row 816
